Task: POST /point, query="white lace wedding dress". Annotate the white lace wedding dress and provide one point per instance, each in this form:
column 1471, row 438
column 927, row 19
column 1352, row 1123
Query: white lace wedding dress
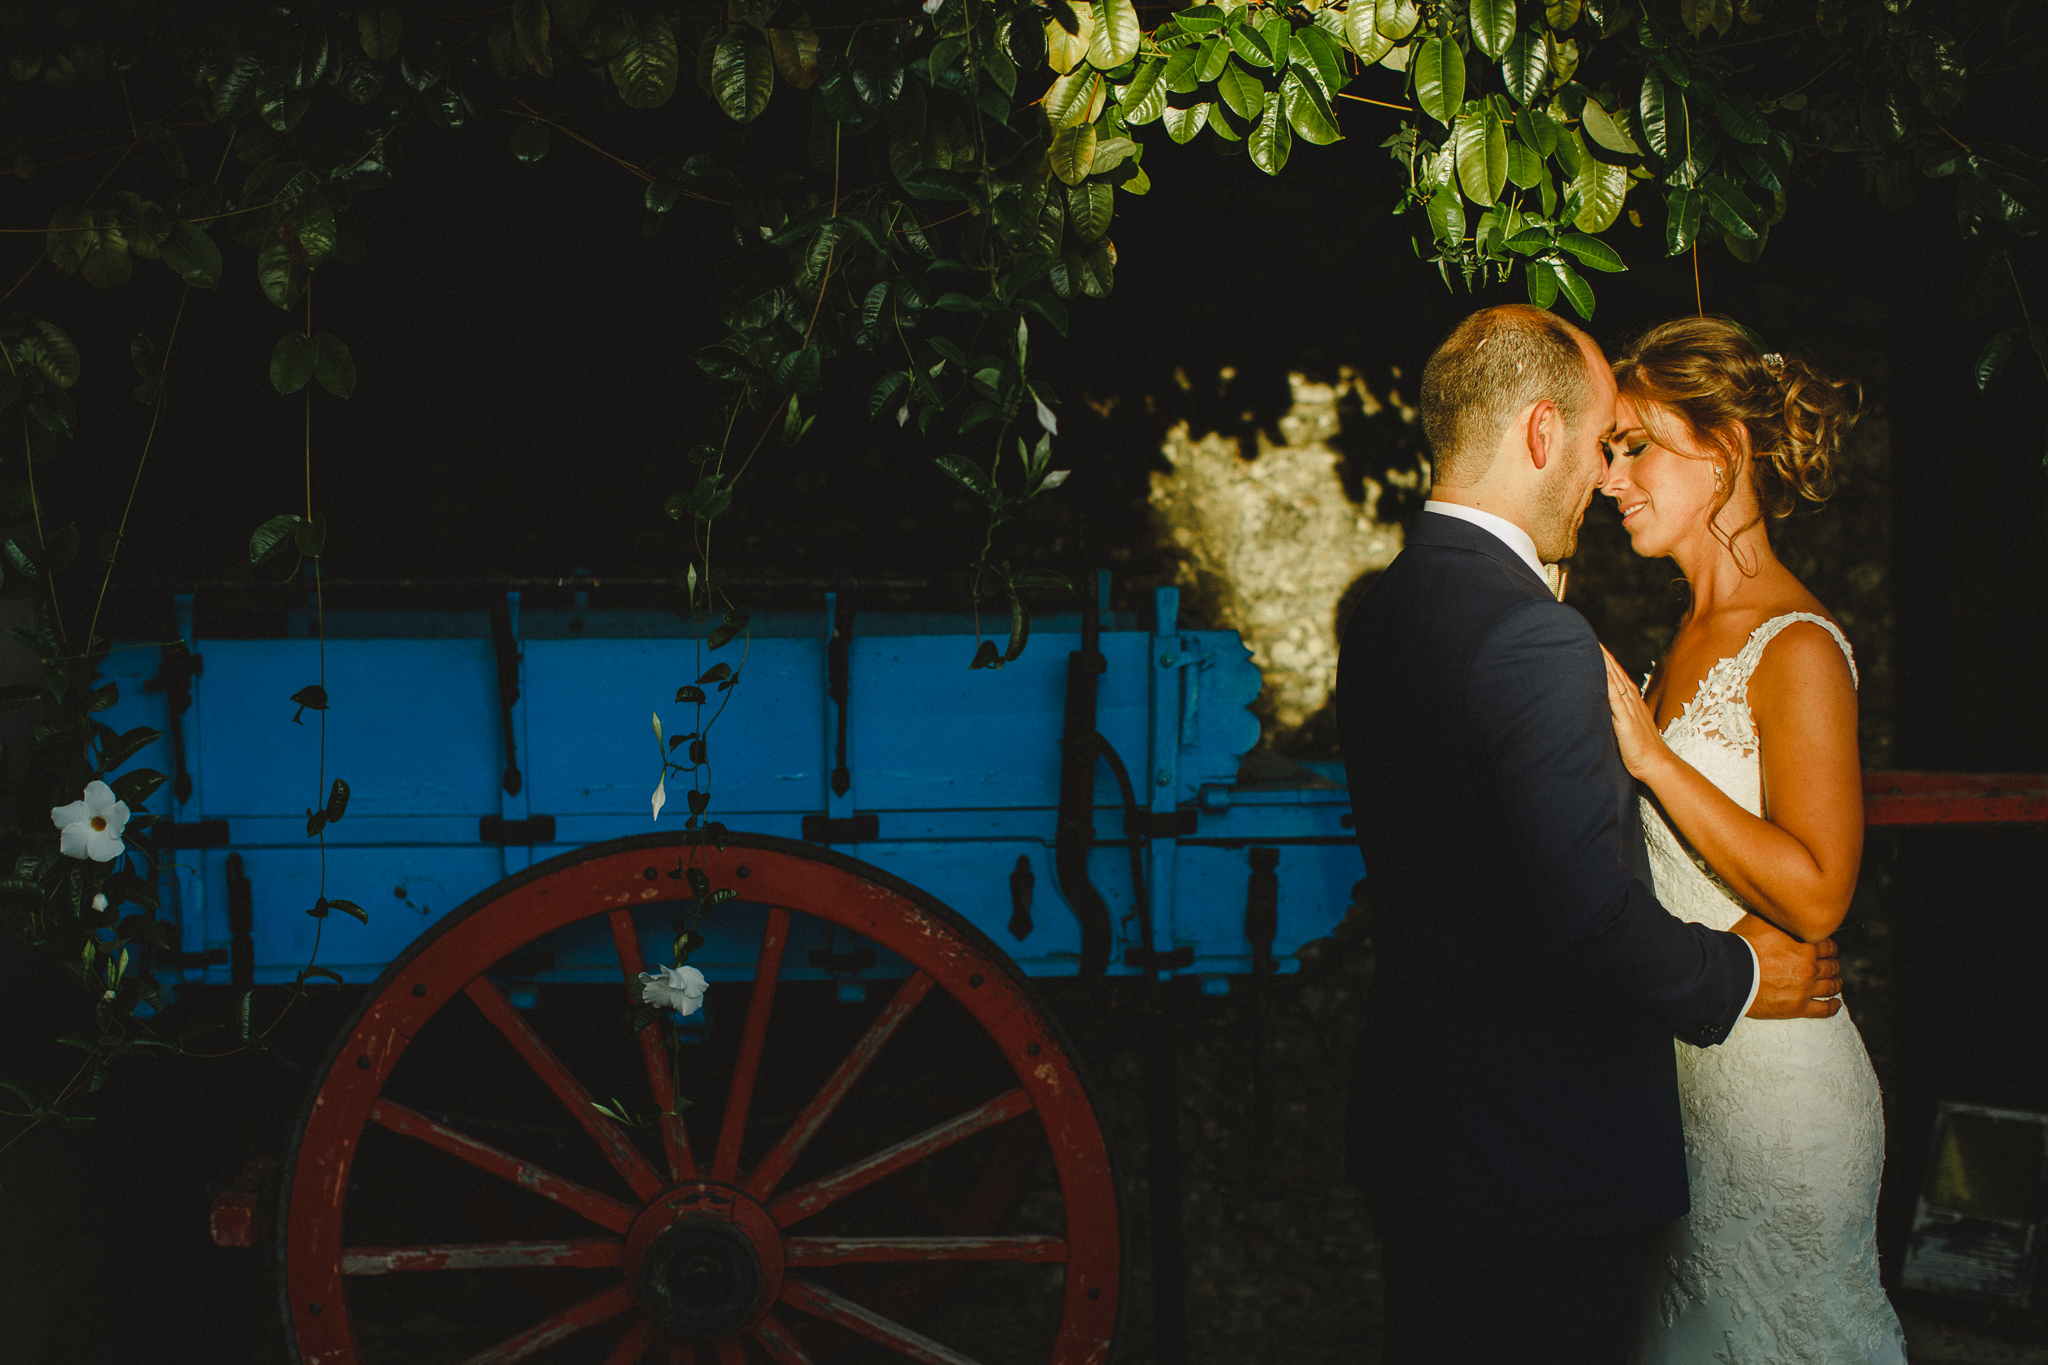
column 1784, row 1138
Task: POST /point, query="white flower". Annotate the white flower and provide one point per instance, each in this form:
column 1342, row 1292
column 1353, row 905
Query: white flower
column 92, row 827
column 99, row 902
column 675, row 988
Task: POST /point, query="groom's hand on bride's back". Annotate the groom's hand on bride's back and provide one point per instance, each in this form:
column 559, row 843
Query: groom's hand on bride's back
column 1799, row 980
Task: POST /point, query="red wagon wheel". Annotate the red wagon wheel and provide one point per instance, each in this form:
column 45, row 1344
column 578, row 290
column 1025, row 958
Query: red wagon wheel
column 720, row 1247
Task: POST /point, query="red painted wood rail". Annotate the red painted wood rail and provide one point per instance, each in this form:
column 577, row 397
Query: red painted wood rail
column 1955, row 798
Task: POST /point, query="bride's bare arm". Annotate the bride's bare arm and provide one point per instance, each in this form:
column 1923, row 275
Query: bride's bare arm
column 1798, row 866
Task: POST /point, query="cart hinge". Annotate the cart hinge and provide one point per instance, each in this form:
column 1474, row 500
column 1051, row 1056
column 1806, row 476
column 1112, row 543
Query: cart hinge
column 536, row 829
column 851, row 829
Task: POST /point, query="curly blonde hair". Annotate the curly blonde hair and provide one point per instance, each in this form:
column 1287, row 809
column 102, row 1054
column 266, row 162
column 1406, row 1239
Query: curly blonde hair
column 1707, row 373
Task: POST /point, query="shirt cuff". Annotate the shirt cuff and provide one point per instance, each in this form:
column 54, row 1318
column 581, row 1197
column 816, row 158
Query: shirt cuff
column 1756, row 980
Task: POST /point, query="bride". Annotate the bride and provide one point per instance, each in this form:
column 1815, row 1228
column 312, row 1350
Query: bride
column 1746, row 739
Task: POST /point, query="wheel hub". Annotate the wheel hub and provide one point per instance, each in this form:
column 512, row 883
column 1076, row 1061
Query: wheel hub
column 705, row 1262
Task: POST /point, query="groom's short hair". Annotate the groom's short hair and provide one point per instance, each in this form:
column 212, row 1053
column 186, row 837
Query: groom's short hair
column 1491, row 366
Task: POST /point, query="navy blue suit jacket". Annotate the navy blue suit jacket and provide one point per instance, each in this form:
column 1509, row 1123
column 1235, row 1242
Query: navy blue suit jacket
column 1515, row 1076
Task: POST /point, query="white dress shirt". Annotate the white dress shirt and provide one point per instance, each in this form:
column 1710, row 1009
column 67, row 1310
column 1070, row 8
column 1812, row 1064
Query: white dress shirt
column 1518, row 540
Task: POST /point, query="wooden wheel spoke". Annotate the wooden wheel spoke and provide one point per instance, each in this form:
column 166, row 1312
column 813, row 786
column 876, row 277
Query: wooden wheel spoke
column 617, row 1147
column 572, row 1251
column 675, row 1139
column 600, row 1209
column 633, row 1345
column 776, row 1340
column 849, row 1250
column 790, row 1146
column 760, row 1002
column 821, row 1302
column 806, row 1200
column 602, row 1306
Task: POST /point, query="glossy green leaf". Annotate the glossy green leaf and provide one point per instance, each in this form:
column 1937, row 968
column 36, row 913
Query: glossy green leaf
column 1493, row 26
column 1279, row 36
column 1480, row 145
column 1561, row 14
column 1995, row 353
column 1529, row 241
column 1308, row 113
column 1117, row 33
column 1211, row 58
column 1607, row 130
column 1143, row 82
column 1073, row 153
column 1180, row 74
column 1396, row 19
column 1183, row 124
column 742, row 73
column 271, row 539
column 1089, row 210
column 1740, row 119
column 1071, row 99
column 1362, row 34
column 1575, row 289
column 1601, row 189
column 1447, row 215
column 335, row 368
column 645, row 66
column 1201, row 19
column 1525, row 67
column 292, row 361
column 1656, row 112
column 1440, row 80
column 1731, row 208
column 1241, row 91
column 1312, row 47
column 1271, row 140
column 1542, row 283
column 1682, row 213
column 530, row 31
column 1250, row 45
column 1525, row 168
column 1591, row 252
column 380, row 27
column 283, row 282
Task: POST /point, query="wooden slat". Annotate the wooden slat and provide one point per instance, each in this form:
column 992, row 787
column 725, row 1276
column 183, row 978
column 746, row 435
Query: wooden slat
column 848, row 1250
column 675, row 1139
column 791, row 1145
column 602, row 1306
column 725, row 1164
column 600, row 1209
column 778, row 1342
column 572, row 1251
column 618, row 1149
column 821, row 1302
column 1910, row 798
column 806, row 1200
column 633, row 1344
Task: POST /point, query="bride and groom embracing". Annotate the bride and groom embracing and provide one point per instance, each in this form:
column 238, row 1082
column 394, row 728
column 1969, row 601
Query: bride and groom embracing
column 1568, row 874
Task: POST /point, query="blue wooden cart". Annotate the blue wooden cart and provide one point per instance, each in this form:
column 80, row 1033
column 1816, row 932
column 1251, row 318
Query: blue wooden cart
column 911, row 837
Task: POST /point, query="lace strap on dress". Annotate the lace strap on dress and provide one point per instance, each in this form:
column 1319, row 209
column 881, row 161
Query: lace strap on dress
column 1753, row 651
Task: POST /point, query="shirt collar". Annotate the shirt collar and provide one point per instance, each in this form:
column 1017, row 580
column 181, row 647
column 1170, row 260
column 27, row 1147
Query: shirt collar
column 1503, row 530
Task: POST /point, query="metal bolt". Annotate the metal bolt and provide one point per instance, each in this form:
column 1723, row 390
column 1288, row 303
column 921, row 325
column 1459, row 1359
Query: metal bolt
column 1165, row 778
column 419, row 988
column 1166, row 661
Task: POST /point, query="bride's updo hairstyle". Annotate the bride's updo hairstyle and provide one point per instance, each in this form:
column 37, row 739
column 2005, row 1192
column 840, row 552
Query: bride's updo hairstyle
column 1706, row 373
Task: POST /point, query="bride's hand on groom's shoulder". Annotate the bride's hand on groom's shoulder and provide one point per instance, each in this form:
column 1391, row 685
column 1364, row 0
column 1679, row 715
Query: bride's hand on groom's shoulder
column 1635, row 729
column 1797, row 980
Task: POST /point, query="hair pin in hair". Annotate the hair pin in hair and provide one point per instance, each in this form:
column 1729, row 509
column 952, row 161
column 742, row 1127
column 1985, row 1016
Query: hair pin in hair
column 1773, row 361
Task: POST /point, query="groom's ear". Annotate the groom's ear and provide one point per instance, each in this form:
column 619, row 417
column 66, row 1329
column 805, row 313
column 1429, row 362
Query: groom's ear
column 1541, row 430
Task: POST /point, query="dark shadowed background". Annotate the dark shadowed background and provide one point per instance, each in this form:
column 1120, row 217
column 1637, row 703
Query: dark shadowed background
column 526, row 392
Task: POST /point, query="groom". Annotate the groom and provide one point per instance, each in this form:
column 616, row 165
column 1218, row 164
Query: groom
column 1516, row 1104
